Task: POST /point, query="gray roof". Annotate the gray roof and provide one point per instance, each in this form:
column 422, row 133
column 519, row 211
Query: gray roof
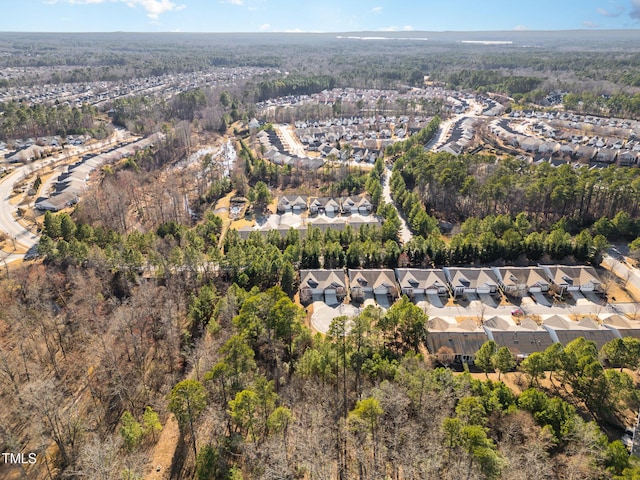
column 572, row 276
column 420, row 278
column 521, row 340
column 517, row 276
column 471, row 277
column 465, row 338
column 372, row 278
column 567, row 330
column 322, row 279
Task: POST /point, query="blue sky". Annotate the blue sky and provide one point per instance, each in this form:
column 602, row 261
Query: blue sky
column 315, row 15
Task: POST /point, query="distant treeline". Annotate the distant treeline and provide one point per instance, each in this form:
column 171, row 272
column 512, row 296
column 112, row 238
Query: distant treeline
column 620, row 104
column 20, row 121
column 293, row 85
column 492, row 81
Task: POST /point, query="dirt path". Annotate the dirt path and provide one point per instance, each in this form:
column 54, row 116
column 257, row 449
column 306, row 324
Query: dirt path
column 164, row 450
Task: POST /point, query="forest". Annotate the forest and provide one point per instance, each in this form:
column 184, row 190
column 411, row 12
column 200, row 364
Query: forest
column 19, row 121
column 147, row 335
column 255, row 395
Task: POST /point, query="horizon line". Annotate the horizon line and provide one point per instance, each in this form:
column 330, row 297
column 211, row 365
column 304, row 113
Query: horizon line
column 310, row 32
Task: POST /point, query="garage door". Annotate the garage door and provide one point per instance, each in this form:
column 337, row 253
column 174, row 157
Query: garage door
column 330, row 297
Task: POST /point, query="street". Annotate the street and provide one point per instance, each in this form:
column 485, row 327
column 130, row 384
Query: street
column 19, row 236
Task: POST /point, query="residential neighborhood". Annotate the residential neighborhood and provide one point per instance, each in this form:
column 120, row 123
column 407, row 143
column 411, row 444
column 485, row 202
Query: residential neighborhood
column 523, row 308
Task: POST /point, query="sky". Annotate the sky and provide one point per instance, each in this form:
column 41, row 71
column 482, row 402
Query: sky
column 315, row 15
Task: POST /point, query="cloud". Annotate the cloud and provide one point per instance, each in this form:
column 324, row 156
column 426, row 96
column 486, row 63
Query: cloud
column 521, row 28
column 635, row 10
column 154, row 8
column 376, row 10
column 234, row 2
column 590, row 24
column 294, row 30
column 616, row 12
column 394, row 28
column 264, row 27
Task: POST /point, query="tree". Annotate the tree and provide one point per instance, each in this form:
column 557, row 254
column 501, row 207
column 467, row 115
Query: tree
column 187, row 401
column 242, row 410
column 67, row 227
column 369, row 411
column 404, row 326
column 622, row 352
column 151, row 423
column 202, row 306
column 261, row 196
column 634, row 249
column 445, row 355
column 503, row 361
column 225, row 99
column 471, row 411
column 534, row 366
column 288, row 279
column 484, row 356
column 51, row 225
column 131, row 431
column 480, row 449
column 208, row 463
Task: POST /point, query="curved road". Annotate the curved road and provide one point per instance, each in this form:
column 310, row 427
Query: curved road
column 405, row 233
column 443, row 132
column 19, row 235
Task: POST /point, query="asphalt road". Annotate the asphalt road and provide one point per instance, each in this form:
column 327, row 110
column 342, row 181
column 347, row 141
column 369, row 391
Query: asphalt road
column 405, row 233
column 442, row 135
column 18, row 234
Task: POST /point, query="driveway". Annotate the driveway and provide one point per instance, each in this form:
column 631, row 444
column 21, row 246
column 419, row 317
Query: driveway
column 487, row 299
column 434, row 300
column 541, row 299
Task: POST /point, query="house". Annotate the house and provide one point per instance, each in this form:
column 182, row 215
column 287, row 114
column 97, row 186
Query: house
column 327, row 285
column 627, row 158
column 454, row 148
column 254, row 125
column 471, row 280
column 57, row 202
column 622, row 327
column 325, row 223
column 606, row 155
column 567, row 149
column 584, row 153
column 371, row 283
column 521, row 340
column 30, row 153
column 572, row 279
column 463, row 339
column 292, row 204
column 530, row 144
column 357, row 205
column 417, row 281
column 326, row 205
column 564, row 331
column 522, row 280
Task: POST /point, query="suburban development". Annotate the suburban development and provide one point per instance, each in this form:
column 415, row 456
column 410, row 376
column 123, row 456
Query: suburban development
column 319, row 256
